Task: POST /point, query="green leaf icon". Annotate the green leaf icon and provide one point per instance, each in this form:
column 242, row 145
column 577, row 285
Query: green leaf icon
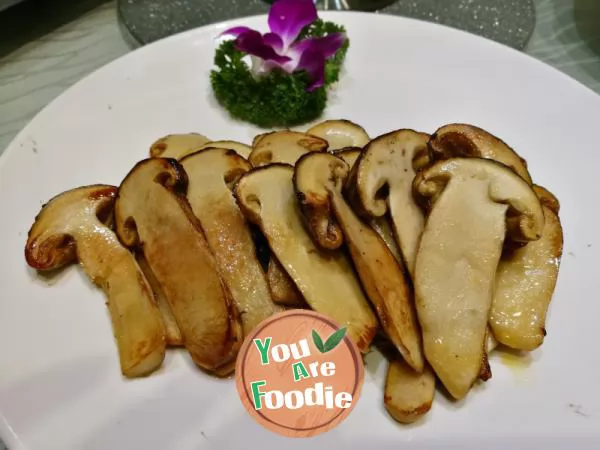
column 331, row 342
column 318, row 341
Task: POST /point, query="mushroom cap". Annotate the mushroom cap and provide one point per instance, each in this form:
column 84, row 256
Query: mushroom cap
column 524, row 219
column 165, row 171
column 177, row 145
column 284, row 147
column 387, row 161
column 279, row 174
column 340, row 134
column 315, row 177
column 461, row 140
column 216, row 162
column 51, row 241
column 241, row 149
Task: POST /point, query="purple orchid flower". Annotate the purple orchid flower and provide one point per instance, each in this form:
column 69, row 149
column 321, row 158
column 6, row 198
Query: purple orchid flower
column 279, row 49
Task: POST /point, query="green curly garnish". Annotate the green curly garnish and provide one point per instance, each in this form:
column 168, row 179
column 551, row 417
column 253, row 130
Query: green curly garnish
column 277, row 99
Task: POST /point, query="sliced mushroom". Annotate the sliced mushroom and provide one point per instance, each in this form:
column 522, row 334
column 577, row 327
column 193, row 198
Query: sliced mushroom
column 172, row 332
column 241, row 149
column 408, row 394
column 153, row 215
column 282, row 287
column 476, row 204
column 177, row 145
column 340, row 134
column 382, row 180
column 525, row 281
column 461, row 140
column 73, row 226
column 326, row 280
column 211, row 173
column 381, row 225
column 283, row 147
column 318, row 181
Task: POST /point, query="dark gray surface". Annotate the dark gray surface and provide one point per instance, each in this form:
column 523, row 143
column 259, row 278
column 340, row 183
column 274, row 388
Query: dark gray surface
column 510, row 22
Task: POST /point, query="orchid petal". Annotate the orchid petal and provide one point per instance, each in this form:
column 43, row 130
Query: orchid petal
column 235, row 31
column 328, row 45
column 273, row 40
column 287, row 18
column 313, row 62
column 253, row 43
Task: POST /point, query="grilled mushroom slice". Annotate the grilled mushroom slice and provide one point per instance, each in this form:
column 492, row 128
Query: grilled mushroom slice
column 318, row 181
column 477, row 203
column 283, row 147
column 152, row 215
column 326, row 280
column 461, row 140
column 177, row 145
column 381, row 225
column 73, row 226
column 525, row 281
column 408, row 394
column 382, row 180
column 211, row 174
column 340, row 134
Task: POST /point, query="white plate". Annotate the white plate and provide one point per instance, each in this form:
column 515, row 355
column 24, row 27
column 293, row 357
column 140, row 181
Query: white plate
column 60, row 385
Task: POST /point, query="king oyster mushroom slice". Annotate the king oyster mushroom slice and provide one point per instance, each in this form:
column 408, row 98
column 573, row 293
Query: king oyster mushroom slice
column 476, row 204
column 340, row 134
column 318, row 181
column 381, row 225
column 525, row 281
column 211, row 174
column 382, row 180
column 177, row 145
column 152, row 215
column 326, row 280
column 283, row 147
column 73, row 226
column 461, row 140
column 408, row 394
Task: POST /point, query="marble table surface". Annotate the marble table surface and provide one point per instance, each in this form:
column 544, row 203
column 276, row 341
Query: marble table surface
column 566, row 36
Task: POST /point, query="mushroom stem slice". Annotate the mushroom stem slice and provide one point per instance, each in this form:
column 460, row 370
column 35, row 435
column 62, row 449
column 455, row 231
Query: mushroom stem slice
column 461, row 140
column 177, row 145
column 326, row 280
column 153, row 215
column 283, row 147
column 476, row 201
column 211, row 172
column 525, row 281
column 72, row 227
column 382, row 180
column 340, row 134
column 318, row 180
column 408, row 395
